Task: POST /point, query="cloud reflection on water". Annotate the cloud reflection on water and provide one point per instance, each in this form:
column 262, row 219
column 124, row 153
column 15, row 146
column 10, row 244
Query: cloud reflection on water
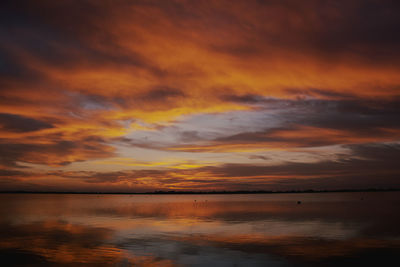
column 199, row 230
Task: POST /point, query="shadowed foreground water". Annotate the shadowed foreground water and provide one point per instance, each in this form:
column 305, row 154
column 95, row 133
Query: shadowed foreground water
column 329, row 229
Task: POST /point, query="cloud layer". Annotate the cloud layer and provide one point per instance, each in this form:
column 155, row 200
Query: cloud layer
column 148, row 95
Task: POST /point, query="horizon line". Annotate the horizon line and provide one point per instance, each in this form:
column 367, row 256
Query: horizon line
column 173, row 192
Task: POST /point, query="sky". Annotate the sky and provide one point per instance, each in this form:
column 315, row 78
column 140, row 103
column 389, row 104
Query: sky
column 137, row 96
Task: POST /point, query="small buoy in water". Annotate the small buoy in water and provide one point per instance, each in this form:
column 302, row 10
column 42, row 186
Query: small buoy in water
column 298, row 202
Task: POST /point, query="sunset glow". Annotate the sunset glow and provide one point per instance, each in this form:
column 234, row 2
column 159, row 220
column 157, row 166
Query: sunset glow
column 139, row 96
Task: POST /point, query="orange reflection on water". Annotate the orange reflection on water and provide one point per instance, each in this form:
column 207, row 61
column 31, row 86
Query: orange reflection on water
column 59, row 242
column 167, row 230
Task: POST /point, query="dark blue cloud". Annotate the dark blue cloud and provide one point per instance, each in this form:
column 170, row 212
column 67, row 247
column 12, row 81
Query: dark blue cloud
column 18, row 123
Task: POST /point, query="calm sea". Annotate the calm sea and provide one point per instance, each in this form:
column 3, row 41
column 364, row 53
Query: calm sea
column 325, row 229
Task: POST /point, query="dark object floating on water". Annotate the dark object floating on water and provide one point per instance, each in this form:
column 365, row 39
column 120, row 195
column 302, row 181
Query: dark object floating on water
column 298, row 202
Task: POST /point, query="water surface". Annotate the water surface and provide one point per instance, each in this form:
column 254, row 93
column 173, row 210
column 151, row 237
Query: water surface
column 326, row 229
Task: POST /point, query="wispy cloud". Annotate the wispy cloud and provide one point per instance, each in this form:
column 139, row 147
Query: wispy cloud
column 202, row 82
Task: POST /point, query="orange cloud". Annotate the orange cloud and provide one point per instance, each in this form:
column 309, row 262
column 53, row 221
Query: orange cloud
column 71, row 88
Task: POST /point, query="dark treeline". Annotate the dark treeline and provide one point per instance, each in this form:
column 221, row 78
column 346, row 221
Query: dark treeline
column 208, row 192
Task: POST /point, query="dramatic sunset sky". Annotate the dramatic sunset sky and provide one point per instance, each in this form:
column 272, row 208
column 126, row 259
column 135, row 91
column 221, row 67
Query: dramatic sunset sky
column 199, row 95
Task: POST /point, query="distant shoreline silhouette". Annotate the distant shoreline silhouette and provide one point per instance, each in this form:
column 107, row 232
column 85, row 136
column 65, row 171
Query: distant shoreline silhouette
column 173, row 192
